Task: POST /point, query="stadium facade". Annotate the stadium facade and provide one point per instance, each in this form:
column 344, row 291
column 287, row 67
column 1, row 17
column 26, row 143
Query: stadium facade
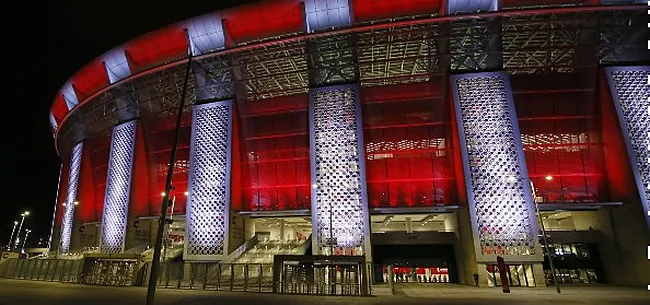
column 429, row 135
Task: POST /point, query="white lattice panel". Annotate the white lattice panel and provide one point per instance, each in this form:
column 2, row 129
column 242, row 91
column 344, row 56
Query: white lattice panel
column 630, row 87
column 208, row 207
column 71, row 196
column 500, row 199
column 338, row 171
column 118, row 186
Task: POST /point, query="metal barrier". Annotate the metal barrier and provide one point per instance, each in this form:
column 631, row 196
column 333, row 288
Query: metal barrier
column 321, row 275
column 250, row 277
column 110, row 272
column 59, row 270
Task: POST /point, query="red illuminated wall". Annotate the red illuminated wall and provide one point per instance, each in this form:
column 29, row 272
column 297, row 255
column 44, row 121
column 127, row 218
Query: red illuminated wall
column 621, row 178
column 139, row 196
column 98, row 149
column 263, row 20
column 525, row 3
column 407, row 137
column 559, row 121
column 85, row 211
column 274, row 146
column 156, row 48
column 369, row 10
column 159, row 134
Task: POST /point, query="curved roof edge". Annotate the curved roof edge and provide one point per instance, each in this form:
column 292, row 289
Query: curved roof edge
column 231, row 30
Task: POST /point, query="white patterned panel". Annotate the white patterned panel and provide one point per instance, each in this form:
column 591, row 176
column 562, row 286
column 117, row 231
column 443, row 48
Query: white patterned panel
column 71, row 196
column 69, row 95
column 630, row 87
column 326, row 14
column 337, row 171
column 499, row 194
column 205, row 33
column 117, row 66
column 118, row 186
column 208, row 207
column 471, row 6
column 53, row 123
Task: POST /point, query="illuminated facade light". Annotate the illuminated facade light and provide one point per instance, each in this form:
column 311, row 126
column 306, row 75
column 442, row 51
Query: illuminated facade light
column 338, row 169
column 71, row 196
column 489, row 136
column 118, row 187
column 208, row 202
column 117, row 66
column 322, row 15
column 69, row 95
column 548, row 178
column 465, row 6
column 205, row 34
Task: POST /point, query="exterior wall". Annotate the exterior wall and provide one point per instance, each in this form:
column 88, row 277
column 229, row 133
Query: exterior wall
column 408, row 141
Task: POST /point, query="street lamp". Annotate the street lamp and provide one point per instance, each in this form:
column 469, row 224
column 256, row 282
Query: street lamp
column 541, row 221
column 24, row 214
column 12, row 235
column 27, row 231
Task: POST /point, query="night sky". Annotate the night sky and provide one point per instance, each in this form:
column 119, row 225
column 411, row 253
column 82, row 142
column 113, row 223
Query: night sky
column 77, row 32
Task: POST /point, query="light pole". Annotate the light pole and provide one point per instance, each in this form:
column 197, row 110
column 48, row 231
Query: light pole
column 12, row 235
column 27, row 231
column 548, row 252
column 24, row 214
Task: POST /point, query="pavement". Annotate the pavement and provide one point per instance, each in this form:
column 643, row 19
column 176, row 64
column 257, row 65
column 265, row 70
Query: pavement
column 21, row 292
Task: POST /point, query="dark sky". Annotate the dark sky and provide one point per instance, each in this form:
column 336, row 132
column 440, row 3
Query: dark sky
column 76, row 32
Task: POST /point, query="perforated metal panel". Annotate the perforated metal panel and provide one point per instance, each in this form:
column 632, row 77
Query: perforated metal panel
column 71, row 196
column 630, row 88
column 208, row 202
column 499, row 194
column 118, row 186
column 339, row 203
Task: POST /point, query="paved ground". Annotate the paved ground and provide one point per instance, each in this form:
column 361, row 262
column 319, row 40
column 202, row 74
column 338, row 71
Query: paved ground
column 14, row 292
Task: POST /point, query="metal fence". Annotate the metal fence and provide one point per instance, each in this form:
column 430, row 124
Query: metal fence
column 250, row 277
column 51, row 270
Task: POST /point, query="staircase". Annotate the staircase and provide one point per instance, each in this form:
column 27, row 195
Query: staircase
column 264, row 250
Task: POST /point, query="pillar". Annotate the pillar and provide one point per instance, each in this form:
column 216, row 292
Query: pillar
column 629, row 88
column 67, row 223
column 118, row 187
column 208, row 202
column 502, row 215
column 338, row 202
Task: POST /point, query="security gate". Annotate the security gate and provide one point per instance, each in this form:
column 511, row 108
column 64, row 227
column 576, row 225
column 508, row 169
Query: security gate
column 320, row 275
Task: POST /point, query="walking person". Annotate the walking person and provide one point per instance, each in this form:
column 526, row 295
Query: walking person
column 475, row 275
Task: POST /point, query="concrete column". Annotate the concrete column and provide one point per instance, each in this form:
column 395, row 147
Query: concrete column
column 208, row 218
column 118, row 188
column 339, row 204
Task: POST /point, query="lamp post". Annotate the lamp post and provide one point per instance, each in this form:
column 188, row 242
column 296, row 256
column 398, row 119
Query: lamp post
column 12, row 235
column 24, row 214
column 548, row 253
column 27, row 231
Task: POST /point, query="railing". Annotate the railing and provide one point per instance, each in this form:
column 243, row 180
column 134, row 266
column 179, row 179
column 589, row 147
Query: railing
column 242, row 249
column 250, row 277
column 51, row 270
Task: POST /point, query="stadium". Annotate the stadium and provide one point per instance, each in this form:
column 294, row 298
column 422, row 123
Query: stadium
column 408, row 141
